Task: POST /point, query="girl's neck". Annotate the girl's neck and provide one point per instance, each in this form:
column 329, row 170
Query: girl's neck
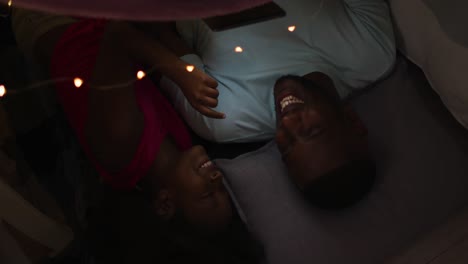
column 167, row 157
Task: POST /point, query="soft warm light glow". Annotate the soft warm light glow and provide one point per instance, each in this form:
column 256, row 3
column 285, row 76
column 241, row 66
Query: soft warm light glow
column 78, row 82
column 190, row 68
column 2, row 90
column 141, row 75
column 238, row 49
column 292, row 28
column 9, row 3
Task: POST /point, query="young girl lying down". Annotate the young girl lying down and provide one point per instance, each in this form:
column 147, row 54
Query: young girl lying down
column 137, row 142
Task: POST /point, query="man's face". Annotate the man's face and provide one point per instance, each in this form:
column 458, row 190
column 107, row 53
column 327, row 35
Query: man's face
column 313, row 133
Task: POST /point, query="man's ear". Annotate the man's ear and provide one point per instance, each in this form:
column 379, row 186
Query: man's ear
column 164, row 205
column 354, row 121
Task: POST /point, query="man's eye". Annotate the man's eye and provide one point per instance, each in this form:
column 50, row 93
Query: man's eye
column 312, row 134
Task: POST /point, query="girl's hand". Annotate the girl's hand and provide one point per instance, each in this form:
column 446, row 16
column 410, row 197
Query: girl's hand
column 200, row 90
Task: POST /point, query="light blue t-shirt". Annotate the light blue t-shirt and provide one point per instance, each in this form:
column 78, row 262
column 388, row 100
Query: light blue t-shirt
column 349, row 40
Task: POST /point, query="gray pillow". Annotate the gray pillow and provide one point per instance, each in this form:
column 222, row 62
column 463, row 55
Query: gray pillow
column 432, row 33
column 422, row 159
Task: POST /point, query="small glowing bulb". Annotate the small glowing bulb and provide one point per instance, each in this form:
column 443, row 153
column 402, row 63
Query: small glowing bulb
column 190, row 68
column 2, row 90
column 238, row 49
column 78, row 82
column 9, row 3
column 292, row 28
column 141, row 75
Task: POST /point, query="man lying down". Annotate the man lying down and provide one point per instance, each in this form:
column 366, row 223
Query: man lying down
column 290, row 82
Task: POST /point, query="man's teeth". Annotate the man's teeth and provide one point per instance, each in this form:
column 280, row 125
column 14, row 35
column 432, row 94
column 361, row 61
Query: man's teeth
column 288, row 100
column 206, row 164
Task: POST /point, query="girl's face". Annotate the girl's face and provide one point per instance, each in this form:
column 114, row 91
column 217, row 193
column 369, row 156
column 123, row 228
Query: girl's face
column 198, row 192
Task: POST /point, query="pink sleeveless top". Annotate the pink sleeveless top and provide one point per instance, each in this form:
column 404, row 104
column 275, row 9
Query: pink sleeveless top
column 75, row 54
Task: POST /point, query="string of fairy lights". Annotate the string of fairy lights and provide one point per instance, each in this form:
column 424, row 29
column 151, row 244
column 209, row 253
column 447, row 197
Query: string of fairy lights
column 78, row 81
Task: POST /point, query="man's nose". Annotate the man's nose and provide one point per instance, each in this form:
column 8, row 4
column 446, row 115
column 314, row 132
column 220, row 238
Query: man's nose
column 292, row 123
column 302, row 122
